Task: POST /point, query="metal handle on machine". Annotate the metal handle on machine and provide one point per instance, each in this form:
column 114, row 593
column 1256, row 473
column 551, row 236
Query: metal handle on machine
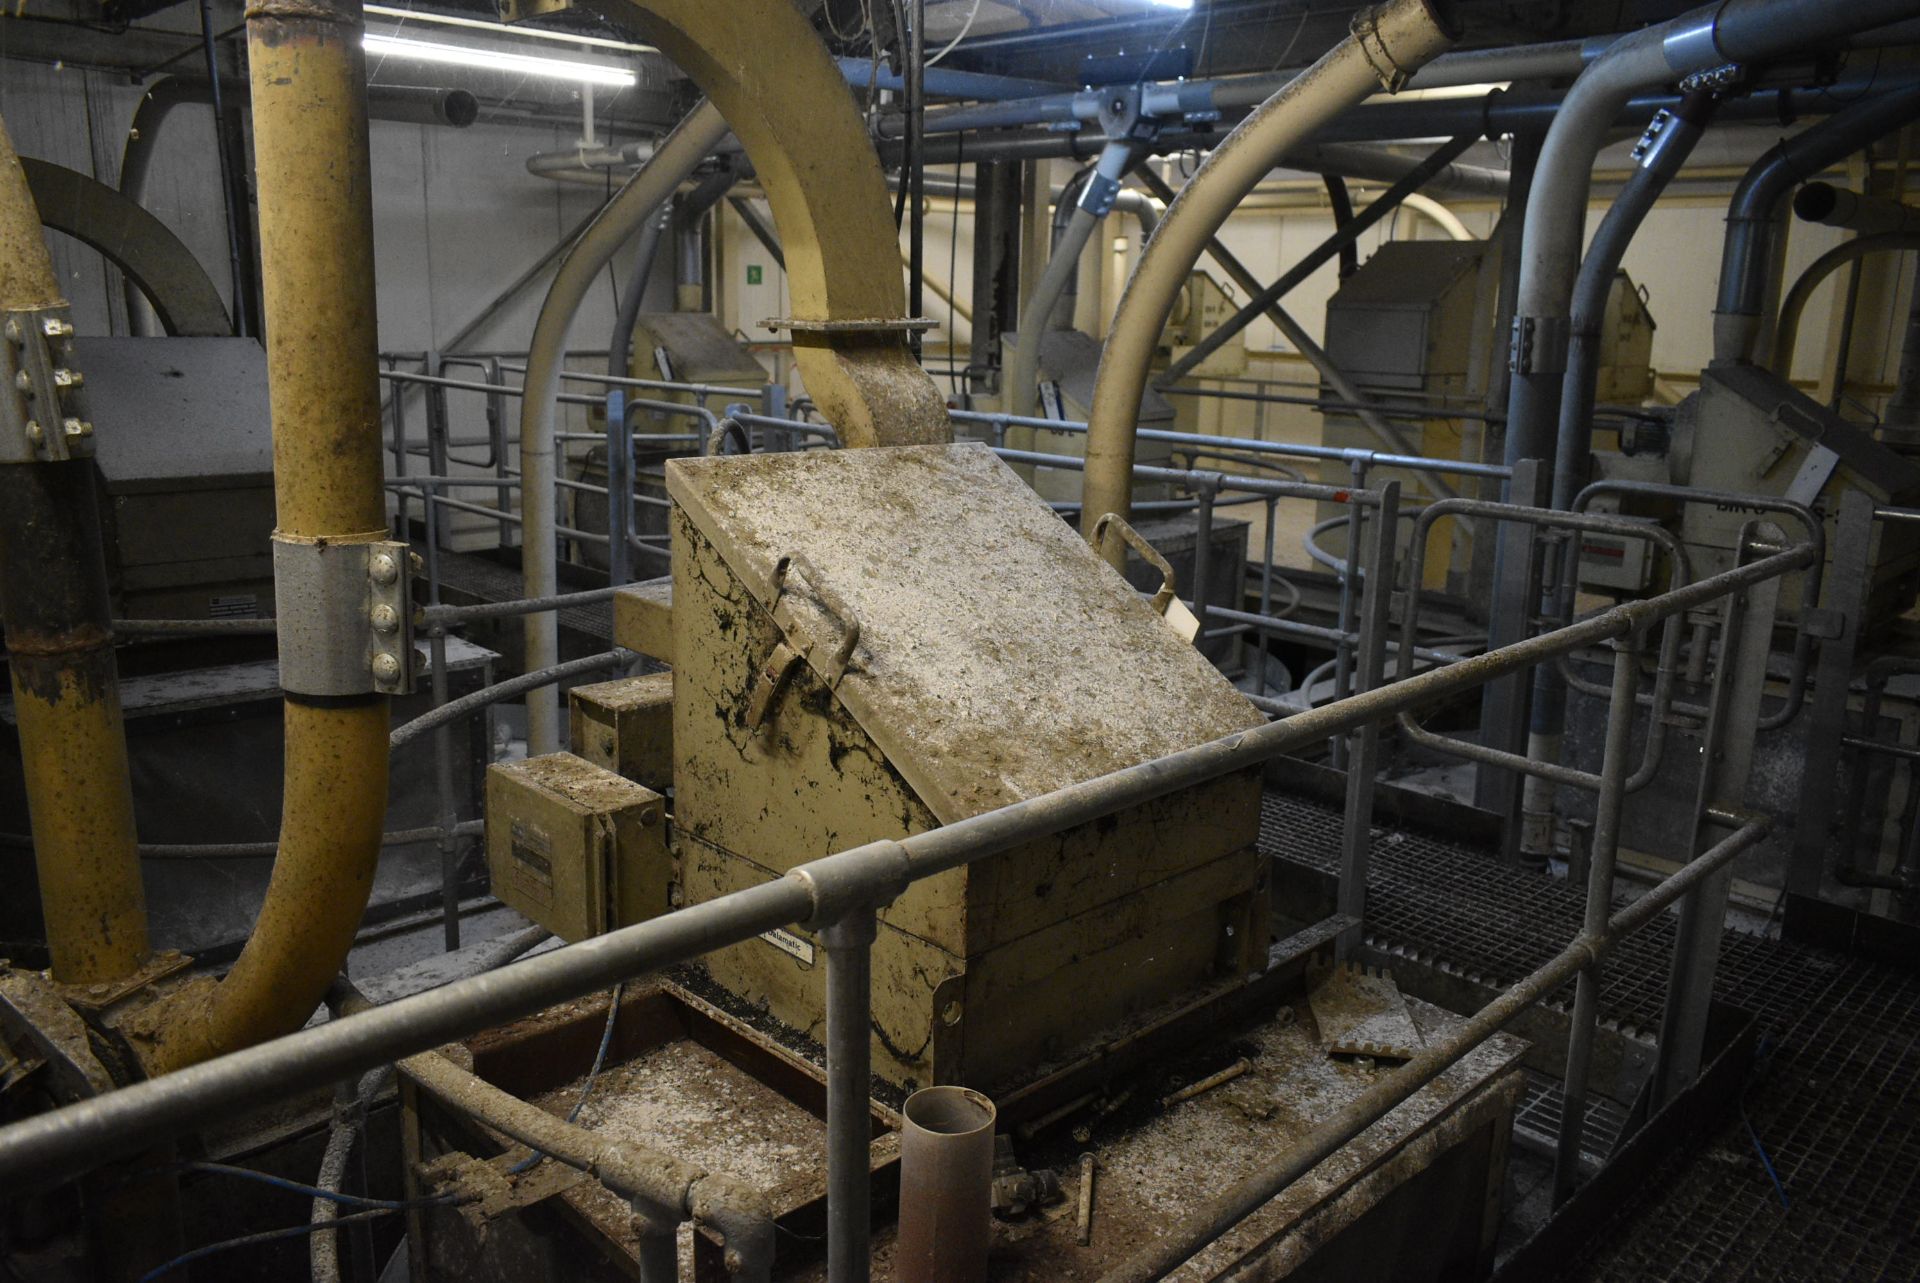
column 836, row 665
column 1135, row 540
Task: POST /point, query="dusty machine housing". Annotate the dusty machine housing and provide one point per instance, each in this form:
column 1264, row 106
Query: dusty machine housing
column 1415, row 324
column 840, row 685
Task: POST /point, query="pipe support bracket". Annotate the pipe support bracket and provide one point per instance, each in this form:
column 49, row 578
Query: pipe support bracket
column 43, row 416
column 344, row 616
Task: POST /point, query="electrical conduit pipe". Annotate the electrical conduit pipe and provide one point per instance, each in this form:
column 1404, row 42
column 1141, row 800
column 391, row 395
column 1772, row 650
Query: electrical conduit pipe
column 671, row 164
column 66, row 698
column 1387, row 45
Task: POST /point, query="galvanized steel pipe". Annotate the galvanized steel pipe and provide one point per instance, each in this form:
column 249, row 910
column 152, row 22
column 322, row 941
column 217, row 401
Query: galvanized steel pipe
column 1753, row 215
column 672, row 162
column 1795, row 302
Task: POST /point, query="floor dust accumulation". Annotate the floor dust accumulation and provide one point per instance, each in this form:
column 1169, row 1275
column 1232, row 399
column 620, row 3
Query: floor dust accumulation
column 1176, row 1161
column 682, row 1099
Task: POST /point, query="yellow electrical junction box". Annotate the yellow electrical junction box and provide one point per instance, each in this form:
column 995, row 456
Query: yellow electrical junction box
column 626, row 726
column 575, row 847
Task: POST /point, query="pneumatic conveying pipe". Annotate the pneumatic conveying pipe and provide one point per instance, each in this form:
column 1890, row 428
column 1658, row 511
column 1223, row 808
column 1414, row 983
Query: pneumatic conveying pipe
column 671, row 164
column 1387, row 45
column 316, row 235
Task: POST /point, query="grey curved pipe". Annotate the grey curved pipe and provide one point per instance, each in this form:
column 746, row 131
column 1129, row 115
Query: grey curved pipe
column 1662, row 153
column 1660, row 158
column 1831, row 206
column 1356, row 160
column 672, row 163
column 1066, row 242
column 1714, row 35
column 158, row 267
column 1754, row 214
column 1387, row 44
column 1795, row 302
column 1061, row 276
column 620, row 346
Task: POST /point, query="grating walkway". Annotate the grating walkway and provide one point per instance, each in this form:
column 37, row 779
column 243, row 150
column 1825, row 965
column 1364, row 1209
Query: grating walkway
column 1834, row 1101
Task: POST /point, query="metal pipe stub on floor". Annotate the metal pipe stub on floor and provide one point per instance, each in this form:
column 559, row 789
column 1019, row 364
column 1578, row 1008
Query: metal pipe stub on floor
column 946, row 1184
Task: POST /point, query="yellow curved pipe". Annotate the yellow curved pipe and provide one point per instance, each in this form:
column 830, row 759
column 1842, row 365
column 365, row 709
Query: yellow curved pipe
column 316, row 236
column 66, row 696
column 763, row 65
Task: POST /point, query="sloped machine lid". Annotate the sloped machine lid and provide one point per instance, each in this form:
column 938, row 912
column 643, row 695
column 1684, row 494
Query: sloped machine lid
column 997, row 658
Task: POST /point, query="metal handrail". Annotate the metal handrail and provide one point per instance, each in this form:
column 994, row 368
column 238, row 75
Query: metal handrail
column 848, row 887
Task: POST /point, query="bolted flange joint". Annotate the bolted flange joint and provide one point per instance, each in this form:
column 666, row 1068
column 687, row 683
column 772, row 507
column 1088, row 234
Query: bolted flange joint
column 345, row 616
column 43, row 412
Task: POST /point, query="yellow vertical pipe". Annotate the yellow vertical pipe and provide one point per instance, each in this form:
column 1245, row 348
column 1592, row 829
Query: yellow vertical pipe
column 60, row 655
column 316, row 236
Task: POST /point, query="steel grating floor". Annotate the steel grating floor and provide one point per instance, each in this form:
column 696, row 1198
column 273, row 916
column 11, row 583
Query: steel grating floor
column 1834, row 1101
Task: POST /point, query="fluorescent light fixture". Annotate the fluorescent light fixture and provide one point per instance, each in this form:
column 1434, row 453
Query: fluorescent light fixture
column 588, row 73
column 1173, row 4
column 499, row 29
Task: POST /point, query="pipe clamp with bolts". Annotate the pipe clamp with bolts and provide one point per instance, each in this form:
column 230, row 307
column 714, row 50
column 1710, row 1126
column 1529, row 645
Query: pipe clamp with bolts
column 43, row 416
column 344, row 616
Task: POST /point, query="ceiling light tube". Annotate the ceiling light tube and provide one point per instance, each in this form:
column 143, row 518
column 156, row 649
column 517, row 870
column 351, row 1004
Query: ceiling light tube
column 501, row 29
column 590, row 73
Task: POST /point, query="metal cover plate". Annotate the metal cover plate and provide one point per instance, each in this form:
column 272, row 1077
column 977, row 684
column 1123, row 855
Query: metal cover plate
column 998, row 658
column 177, row 407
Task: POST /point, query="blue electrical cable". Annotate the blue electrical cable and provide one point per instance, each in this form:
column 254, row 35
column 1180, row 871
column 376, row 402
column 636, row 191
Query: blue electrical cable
column 586, row 1088
column 265, row 1236
column 312, row 1191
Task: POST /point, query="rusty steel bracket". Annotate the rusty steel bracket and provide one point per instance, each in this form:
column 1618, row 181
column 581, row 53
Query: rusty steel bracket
column 43, row 415
column 345, row 616
column 97, row 999
column 768, row 681
column 833, row 666
column 34, row 1017
column 487, row 1188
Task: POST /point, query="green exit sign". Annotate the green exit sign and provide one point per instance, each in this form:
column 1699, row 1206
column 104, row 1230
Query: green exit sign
column 753, row 273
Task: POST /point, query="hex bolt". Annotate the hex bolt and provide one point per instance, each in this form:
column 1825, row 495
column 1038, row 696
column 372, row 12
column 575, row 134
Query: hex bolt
column 385, row 619
column 77, row 427
column 23, row 381
column 65, row 378
column 386, row 668
column 384, row 569
column 35, row 433
column 13, row 329
column 55, row 328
